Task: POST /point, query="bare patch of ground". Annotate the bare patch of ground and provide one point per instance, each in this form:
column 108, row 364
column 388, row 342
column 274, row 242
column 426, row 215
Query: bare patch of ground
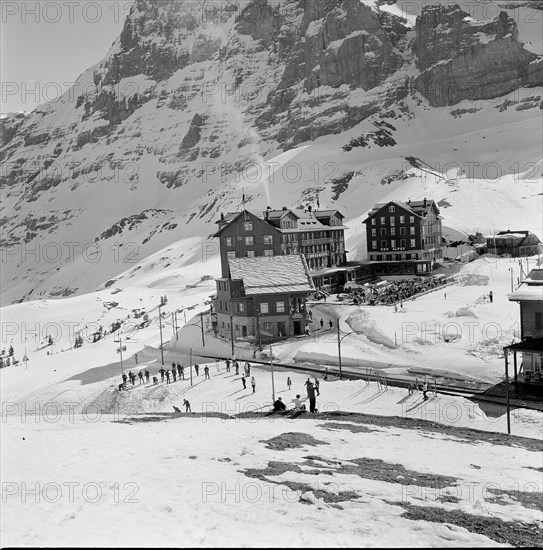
column 505, row 532
column 528, row 499
column 292, row 440
column 355, row 428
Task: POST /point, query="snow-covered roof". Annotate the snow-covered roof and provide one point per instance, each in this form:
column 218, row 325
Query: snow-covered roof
column 272, row 274
column 531, row 289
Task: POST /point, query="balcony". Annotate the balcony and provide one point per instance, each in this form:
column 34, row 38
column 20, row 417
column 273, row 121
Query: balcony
column 310, row 242
column 312, row 255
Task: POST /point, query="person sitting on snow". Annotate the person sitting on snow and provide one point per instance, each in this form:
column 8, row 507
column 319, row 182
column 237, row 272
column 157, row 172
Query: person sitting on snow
column 279, row 406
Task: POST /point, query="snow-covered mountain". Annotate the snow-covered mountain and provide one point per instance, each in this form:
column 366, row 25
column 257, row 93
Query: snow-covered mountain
column 195, row 104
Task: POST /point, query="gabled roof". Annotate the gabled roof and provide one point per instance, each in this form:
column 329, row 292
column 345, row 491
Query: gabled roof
column 278, row 214
column 272, row 274
column 417, row 208
column 229, row 218
column 327, row 213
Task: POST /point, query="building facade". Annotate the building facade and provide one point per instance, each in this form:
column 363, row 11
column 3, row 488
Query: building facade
column 529, row 295
column 263, row 299
column 318, row 235
column 404, row 238
column 511, row 243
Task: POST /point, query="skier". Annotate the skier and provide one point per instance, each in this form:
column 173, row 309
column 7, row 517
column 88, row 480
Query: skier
column 206, row 373
column 321, row 323
column 176, row 409
column 162, row 373
column 174, row 374
column 147, row 375
column 168, row 376
column 136, row 358
column 179, row 370
column 140, row 376
column 331, row 323
column 125, row 378
column 187, row 406
column 155, row 381
column 244, row 381
column 289, row 382
column 253, row 383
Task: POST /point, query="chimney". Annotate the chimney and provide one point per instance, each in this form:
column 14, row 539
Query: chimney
column 267, row 213
column 309, row 208
column 424, row 205
column 284, row 207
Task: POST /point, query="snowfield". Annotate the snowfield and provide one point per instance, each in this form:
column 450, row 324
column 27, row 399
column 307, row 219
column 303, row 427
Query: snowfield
column 87, row 465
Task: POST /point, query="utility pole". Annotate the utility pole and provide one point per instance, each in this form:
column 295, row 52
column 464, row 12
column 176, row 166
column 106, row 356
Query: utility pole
column 273, row 382
column 507, row 404
column 511, row 270
column 176, row 327
column 232, row 335
column 202, row 323
column 258, row 327
column 160, row 326
column 190, row 366
column 339, row 349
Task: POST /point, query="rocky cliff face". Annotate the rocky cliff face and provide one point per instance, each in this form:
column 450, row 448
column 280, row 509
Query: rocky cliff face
column 464, row 59
column 191, row 94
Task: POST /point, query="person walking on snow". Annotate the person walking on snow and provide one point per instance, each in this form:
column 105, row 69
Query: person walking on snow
column 140, row 376
column 162, row 373
column 491, row 296
column 253, row 383
column 289, row 382
column 168, row 376
column 321, row 323
column 206, row 373
column 197, row 369
column 331, row 323
column 228, row 365
column 425, row 390
column 174, row 374
column 317, row 387
column 244, row 381
column 147, row 375
column 179, row 370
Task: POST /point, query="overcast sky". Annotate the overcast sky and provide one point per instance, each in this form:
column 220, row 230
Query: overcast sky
column 48, row 43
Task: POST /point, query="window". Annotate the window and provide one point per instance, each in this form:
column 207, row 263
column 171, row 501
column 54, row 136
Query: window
column 402, row 230
column 391, row 208
column 393, row 244
column 249, row 240
column 402, row 243
column 383, row 244
column 264, row 307
column 411, row 219
column 412, row 230
column 382, row 220
column 392, row 221
column 373, row 221
column 240, row 307
column 402, row 219
column 538, row 320
column 413, row 244
column 389, row 257
column 250, row 253
column 393, row 231
column 374, row 245
column 280, row 307
column 230, row 241
column 383, row 232
column 374, row 232
column 231, row 255
column 268, row 239
column 268, row 252
column 248, row 226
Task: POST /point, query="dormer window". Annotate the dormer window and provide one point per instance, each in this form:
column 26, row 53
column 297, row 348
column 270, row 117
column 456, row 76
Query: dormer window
column 248, row 226
column 391, row 208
